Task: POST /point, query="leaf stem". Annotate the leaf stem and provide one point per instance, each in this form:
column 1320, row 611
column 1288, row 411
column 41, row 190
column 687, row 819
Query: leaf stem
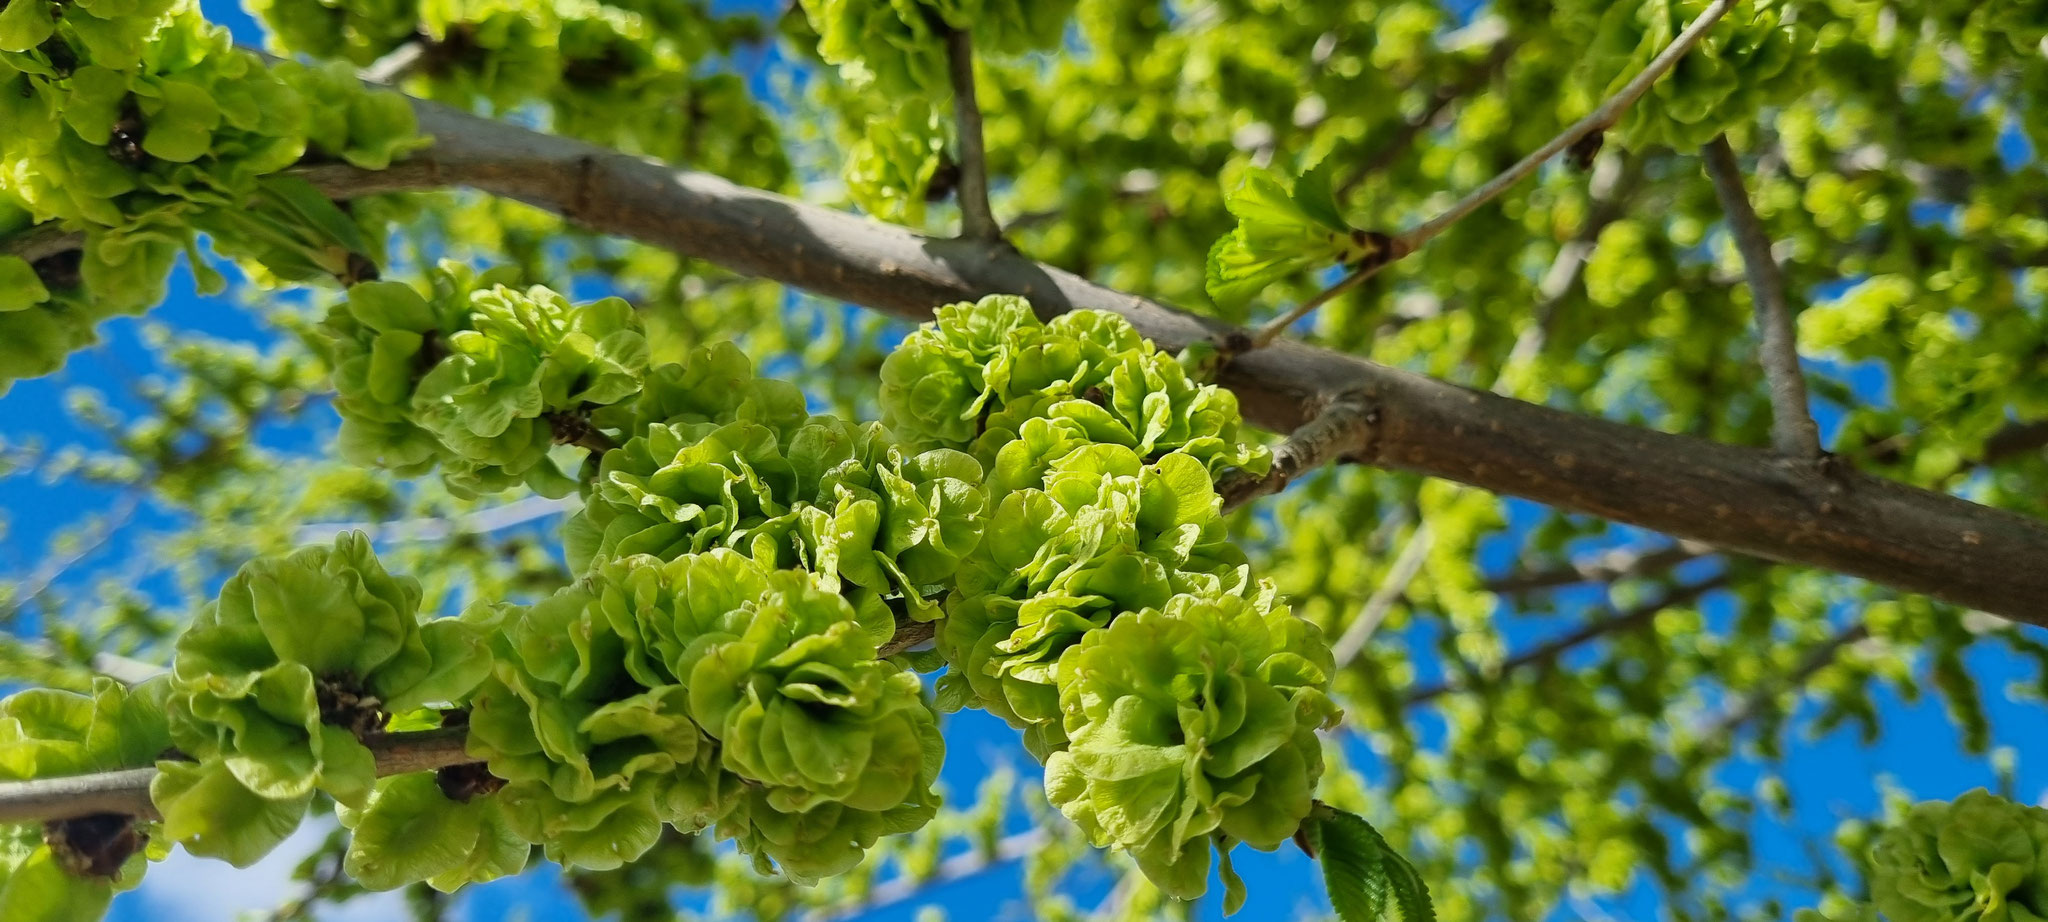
column 977, row 220
column 1602, row 117
column 1793, row 431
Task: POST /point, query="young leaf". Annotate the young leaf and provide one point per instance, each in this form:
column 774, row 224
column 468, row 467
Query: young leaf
column 1368, row 880
column 1283, row 229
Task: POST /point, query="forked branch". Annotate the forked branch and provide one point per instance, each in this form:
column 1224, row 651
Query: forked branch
column 1792, row 428
column 1603, row 117
column 1342, row 429
column 1728, row 496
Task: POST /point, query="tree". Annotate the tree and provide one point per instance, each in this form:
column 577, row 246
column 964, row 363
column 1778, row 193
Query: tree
column 1240, row 328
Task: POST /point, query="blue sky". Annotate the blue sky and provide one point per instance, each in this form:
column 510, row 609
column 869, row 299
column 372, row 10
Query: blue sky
column 1831, row 778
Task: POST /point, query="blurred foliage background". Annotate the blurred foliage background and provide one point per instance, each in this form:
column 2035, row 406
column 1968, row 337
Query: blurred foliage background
column 1555, row 717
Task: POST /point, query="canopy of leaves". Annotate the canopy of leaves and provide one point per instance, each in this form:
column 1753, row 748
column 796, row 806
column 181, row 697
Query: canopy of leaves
column 578, row 446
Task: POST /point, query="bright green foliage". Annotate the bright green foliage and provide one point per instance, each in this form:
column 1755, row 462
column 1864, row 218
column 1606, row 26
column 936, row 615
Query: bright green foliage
column 480, row 379
column 837, row 745
column 1368, row 881
column 594, row 764
column 975, row 377
column 1881, row 137
column 712, row 384
column 627, row 74
column 1755, row 57
column 1282, row 231
column 1192, row 724
column 1979, row 858
column 276, row 681
column 1099, row 533
column 1100, row 453
column 899, row 45
column 47, row 733
column 412, row 828
column 754, row 475
column 891, row 170
column 594, row 711
column 20, row 287
column 141, row 123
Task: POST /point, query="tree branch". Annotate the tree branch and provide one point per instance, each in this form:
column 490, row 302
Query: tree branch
column 1343, row 428
column 127, row 791
column 977, row 220
column 956, row 868
column 1819, row 657
column 1600, row 119
column 1792, row 428
column 1391, row 588
column 1738, row 499
column 909, row 634
column 1604, row 567
column 436, row 528
column 1545, row 655
column 1411, row 130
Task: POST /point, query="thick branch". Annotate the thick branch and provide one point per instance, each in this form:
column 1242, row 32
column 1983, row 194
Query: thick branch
column 128, row 791
column 977, row 220
column 1739, row 499
column 1792, row 428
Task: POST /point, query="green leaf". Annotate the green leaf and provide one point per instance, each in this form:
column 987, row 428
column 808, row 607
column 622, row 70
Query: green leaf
column 1368, row 881
column 25, row 24
column 209, row 812
column 409, row 831
column 1281, row 230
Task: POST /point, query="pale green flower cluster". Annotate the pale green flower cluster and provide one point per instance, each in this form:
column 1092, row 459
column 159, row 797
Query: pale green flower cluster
column 140, row 123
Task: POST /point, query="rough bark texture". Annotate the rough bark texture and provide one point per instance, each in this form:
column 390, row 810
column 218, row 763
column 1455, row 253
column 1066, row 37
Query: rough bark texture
column 1741, row 499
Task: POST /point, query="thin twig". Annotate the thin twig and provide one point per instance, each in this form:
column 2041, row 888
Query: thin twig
column 1392, row 587
column 1600, row 119
column 397, row 63
column 127, row 791
column 54, row 567
column 1546, row 654
column 1411, row 130
column 1604, row 567
column 435, row 528
column 977, row 220
column 1614, row 182
column 1343, row 429
column 1792, row 428
column 956, row 868
column 1820, row 657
